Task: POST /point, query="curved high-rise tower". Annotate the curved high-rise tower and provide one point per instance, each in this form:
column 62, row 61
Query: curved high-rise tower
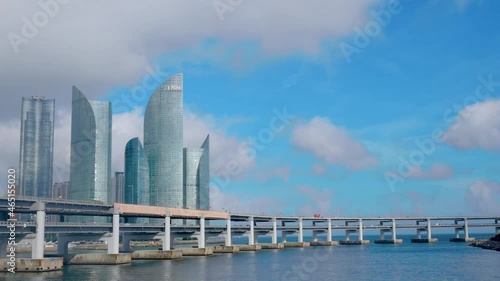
column 163, row 133
column 90, row 175
column 197, row 178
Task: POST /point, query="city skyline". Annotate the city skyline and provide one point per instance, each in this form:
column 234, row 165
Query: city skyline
column 379, row 94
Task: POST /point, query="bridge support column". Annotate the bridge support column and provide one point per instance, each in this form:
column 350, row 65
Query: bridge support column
column 329, row 230
column 114, row 242
column 166, row 237
column 466, row 228
column 360, row 236
column 382, row 234
column 201, row 238
column 347, row 235
column 301, row 231
column 457, row 233
column 393, row 229
column 419, row 234
column 429, row 232
column 38, row 244
column 251, row 235
column 228, row 231
column 274, row 238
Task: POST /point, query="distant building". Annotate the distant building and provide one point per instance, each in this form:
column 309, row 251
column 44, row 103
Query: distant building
column 136, row 183
column 163, row 136
column 119, row 193
column 196, row 178
column 37, row 147
column 60, row 190
column 90, row 168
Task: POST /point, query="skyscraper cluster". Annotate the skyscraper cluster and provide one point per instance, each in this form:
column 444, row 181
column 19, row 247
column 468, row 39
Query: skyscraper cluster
column 160, row 173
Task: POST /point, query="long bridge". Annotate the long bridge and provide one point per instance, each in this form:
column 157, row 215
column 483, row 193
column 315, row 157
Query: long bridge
column 226, row 225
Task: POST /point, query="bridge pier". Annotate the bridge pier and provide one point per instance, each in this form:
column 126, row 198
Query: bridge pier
column 329, row 230
column 301, row 231
column 201, row 237
column 251, row 234
column 428, row 229
column 393, row 239
column 114, row 242
column 166, row 238
column 228, row 235
column 465, row 229
column 348, row 232
column 38, row 244
column 274, row 239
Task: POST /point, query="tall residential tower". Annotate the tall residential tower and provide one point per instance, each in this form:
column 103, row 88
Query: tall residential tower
column 197, row 178
column 163, row 133
column 136, row 176
column 37, row 147
column 90, row 175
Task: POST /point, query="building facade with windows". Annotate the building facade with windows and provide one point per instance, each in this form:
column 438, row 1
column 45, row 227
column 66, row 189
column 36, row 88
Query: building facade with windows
column 36, row 147
column 163, row 136
column 90, row 163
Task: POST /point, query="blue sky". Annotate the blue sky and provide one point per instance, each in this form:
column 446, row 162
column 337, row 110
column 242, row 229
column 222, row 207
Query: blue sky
column 391, row 93
column 356, row 116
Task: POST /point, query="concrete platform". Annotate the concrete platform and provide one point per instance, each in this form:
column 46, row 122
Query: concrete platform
column 470, row 239
column 250, row 248
column 156, row 255
column 424, row 240
column 296, row 244
column 324, row 243
column 226, row 249
column 272, row 245
column 389, row 241
column 354, row 242
column 100, row 259
column 196, row 252
column 32, row 265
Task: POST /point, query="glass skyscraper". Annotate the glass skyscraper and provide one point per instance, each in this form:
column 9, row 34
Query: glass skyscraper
column 163, row 134
column 37, row 147
column 118, row 195
column 90, row 171
column 136, row 176
column 196, row 178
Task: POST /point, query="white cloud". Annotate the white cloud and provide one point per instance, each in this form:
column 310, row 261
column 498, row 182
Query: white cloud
column 484, row 196
column 332, row 144
column 224, row 149
column 100, row 45
column 318, row 200
column 319, row 170
column 435, row 172
column 476, row 126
